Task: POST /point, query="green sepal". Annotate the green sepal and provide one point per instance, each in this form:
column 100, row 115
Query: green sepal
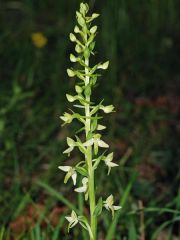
column 91, row 46
column 94, row 125
column 91, row 38
column 80, row 145
column 87, row 90
column 93, row 80
column 96, row 108
column 80, row 130
column 96, row 148
column 80, row 19
column 82, row 171
column 86, row 53
column 97, row 160
column 67, row 176
column 98, row 208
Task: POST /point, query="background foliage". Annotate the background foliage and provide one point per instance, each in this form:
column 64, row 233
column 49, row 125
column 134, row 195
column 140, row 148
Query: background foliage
column 140, row 38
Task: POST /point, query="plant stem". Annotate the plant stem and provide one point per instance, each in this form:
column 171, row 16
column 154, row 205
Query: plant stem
column 91, row 190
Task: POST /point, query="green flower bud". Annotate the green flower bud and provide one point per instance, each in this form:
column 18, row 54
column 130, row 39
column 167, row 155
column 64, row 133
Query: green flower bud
column 73, row 58
column 70, row 98
column 95, row 15
column 87, row 90
column 72, row 37
column 104, row 65
column 86, row 53
column 76, row 29
column 67, row 118
column 93, row 29
column 80, row 19
column 84, row 8
column 70, row 73
column 78, row 49
column 78, row 89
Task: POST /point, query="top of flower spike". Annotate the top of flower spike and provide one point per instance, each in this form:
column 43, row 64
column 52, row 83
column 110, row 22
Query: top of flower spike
column 84, row 8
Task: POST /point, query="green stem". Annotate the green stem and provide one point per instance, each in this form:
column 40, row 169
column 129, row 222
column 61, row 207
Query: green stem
column 91, row 190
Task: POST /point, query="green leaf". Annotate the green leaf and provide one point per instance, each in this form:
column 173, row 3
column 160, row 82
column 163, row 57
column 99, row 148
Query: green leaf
column 98, row 208
column 82, row 171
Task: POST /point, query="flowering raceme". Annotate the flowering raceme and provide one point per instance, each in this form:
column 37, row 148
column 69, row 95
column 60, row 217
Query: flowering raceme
column 89, row 117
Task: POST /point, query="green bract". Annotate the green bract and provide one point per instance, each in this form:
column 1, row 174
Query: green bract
column 91, row 148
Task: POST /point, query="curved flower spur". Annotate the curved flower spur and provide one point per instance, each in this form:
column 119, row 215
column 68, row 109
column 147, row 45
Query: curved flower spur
column 87, row 76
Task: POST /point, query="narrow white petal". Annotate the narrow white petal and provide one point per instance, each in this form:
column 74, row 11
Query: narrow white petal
column 68, row 150
column 64, row 168
column 89, row 143
column 111, row 164
column 73, row 224
column 69, row 219
column 117, row 207
column 100, row 127
column 81, row 189
column 106, row 206
column 84, row 181
column 102, row 144
column 74, row 177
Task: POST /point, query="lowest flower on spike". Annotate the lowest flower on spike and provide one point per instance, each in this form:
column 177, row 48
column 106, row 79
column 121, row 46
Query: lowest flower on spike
column 108, row 204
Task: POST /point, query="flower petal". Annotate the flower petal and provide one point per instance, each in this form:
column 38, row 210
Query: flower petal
column 111, row 164
column 88, row 142
column 69, row 219
column 81, row 189
column 117, row 207
column 65, row 168
column 74, row 177
column 68, row 150
column 102, row 144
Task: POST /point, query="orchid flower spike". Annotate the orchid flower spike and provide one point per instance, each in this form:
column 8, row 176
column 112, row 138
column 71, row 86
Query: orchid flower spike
column 84, row 188
column 108, row 204
column 108, row 161
column 73, row 220
column 71, row 173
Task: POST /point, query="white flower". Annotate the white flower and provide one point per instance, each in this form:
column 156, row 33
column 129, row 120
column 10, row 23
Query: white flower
column 67, row 117
column 108, row 161
column 97, row 143
column 73, row 219
column 71, row 143
column 71, row 173
column 108, row 204
column 84, row 188
column 107, row 109
column 103, row 66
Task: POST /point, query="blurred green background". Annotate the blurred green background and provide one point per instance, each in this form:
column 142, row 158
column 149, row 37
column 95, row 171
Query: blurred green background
column 141, row 40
